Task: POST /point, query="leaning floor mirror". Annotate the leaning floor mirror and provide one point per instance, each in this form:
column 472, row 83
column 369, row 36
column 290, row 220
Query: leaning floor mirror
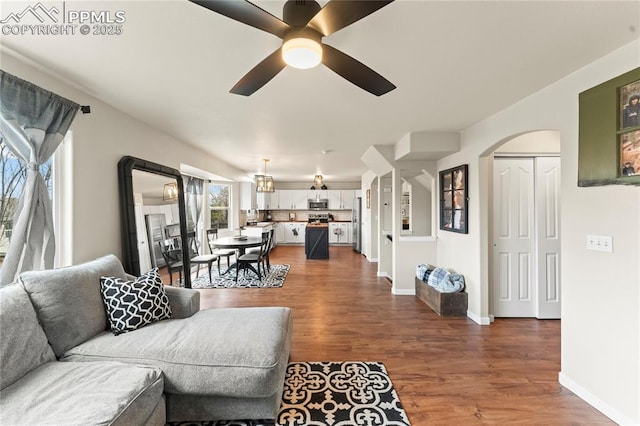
column 153, row 220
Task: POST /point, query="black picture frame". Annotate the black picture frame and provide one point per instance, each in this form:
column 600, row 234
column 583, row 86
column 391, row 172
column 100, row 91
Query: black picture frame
column 454, row 199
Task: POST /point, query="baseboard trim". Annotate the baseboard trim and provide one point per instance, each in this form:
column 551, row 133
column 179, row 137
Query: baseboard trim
column 384, row 275
column 373, row 259
column 595, row 402
column 403, row 292
column 478, row 319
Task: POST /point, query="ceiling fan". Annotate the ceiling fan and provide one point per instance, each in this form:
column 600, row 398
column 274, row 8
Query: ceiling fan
column 302, row 27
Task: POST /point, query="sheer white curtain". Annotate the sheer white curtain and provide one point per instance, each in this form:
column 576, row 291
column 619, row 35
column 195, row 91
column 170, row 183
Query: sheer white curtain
column 33, row 122
column 194, row 200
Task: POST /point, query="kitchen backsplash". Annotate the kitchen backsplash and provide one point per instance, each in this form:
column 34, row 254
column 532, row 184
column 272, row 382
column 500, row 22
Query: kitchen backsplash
column 301, row 215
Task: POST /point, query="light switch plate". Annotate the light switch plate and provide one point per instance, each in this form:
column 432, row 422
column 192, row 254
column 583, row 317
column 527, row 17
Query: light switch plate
column 600, row 243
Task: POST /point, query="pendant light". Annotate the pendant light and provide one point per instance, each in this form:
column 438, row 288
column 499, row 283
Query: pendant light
column 170, row 192
column 264, row 183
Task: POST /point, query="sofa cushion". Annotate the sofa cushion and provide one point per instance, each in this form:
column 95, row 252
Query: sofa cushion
column 23, row 345
column 68, row 300
column 133, row 304
column 234, row 352
column 96, row 393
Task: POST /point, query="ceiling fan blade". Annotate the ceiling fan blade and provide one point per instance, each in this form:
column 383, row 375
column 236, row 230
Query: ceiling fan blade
column 247, row 13
column 260, row 74
column 355, row 71
column 337, row 14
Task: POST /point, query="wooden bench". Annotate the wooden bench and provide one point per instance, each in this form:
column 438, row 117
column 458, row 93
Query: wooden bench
column 445, row 304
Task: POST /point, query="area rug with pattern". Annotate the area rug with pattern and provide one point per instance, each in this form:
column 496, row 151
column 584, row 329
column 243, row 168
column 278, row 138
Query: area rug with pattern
column 332, row 394
column 274, row 278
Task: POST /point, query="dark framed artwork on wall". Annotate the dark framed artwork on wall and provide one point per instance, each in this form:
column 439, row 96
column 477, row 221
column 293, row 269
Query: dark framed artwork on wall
column 454, row 199
column 609, row 132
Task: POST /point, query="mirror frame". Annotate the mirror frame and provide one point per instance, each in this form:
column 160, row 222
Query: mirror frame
column 130, row 254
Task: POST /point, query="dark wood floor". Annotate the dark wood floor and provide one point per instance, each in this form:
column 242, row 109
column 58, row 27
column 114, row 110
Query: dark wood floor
column 447, row 371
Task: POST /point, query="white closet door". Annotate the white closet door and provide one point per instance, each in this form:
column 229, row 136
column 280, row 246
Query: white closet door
column 513, row 291
column 526, row 236
column 548, row 236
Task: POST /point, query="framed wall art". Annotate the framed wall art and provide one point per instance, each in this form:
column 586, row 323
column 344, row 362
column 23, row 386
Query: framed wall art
column 609, row 132
column 454, row 200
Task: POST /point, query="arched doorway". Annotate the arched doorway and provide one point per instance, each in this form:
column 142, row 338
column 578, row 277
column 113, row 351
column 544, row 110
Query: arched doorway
column 524, row 226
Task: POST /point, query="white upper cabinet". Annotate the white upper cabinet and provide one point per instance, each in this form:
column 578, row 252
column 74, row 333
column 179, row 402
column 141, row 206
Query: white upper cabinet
column 248, row 199
column 318, row 194
column 299, row 199
column 267, row 200
column 292, row 199
column 335, row 199
column 284, row 199
column 341, row 200
column 347, row 199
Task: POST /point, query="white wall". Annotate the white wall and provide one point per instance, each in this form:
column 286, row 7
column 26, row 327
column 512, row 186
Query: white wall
column 542, row 142
column 600, row 291
column 420, row 208
column 100, row 139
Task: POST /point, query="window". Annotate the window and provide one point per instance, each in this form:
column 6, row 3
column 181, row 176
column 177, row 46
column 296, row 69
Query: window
column 219, row 205
column 14, row 174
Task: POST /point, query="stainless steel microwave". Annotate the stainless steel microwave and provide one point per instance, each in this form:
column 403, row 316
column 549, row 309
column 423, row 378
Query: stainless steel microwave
column 321, row 204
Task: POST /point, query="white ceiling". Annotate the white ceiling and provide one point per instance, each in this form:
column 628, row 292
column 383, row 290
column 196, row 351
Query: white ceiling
column 453, row 62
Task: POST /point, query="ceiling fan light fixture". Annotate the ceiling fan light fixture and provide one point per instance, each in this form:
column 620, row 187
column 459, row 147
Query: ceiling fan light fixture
column 302, row 52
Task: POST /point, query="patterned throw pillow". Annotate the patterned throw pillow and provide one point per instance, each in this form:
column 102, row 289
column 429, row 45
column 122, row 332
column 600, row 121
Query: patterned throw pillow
column 134, row 304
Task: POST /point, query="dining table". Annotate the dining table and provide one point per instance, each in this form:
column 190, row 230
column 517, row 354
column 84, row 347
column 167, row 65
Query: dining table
column 238, row 243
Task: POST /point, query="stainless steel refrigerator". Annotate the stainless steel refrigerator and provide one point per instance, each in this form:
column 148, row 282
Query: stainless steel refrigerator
column 356, row 224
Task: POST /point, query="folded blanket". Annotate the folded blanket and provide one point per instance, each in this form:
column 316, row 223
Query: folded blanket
column 423, row 271
column 445, row 282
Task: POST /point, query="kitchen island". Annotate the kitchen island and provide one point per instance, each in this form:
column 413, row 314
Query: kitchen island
column 316, row 243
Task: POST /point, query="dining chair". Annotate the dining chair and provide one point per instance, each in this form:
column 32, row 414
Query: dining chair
column 247, row 259
column 212, row 236
column 200, row 259
column 172, row 255
column 272, row 243
column 265, row 259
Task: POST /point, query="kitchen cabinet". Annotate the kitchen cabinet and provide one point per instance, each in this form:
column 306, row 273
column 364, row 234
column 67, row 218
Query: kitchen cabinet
column 316, row 244
column 335, row 199
column 340, row 233
column 294, row 232
column 333, row 235
column 345, row 234
column 292, row 199
column 341, row 199
column 317, row 194
column 267, row 200
column 284, row 199
column 279, row 233
column 248, row 199
column 347, row 199
column 300, row 199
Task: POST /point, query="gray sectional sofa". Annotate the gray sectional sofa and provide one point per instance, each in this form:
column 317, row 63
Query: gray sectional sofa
column 60, row 364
